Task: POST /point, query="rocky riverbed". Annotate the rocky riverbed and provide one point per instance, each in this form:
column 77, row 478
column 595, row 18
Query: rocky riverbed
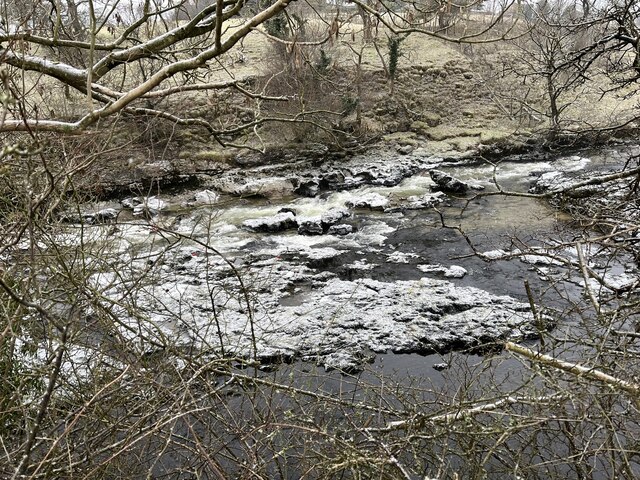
column 339, row 263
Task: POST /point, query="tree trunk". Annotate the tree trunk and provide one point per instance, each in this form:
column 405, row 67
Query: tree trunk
column 76, row 25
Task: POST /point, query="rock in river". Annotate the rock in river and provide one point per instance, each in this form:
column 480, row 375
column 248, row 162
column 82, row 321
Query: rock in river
column 105, row 215
column 428, row 200
column 338, row 320
column 323, row 224
column 310, row 226
column 308, row 187
column 372, row 201
column 268, row 187
column 343, row 229
column 147, row 206
column 448, row 183
column 206, row 197
column 276, row 223
column 454, row 271
column 333, row 216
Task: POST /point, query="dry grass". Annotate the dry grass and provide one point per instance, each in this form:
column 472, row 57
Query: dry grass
column 462, row 86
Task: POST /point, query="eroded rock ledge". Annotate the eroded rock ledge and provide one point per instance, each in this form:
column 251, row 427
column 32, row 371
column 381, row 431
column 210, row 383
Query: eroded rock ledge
column 336, row 323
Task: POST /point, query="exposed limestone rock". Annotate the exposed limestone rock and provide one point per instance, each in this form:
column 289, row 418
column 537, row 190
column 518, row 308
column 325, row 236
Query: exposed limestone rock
column 333, row 216
column 448, row 183
column 428, row 200
column 269, row 187
column 148, row 206
column 454, row 271
column 372, row 201
column 308, row 188
column 343, row 229
column 312, row 226
column 339, row 321
column 276, row 223
column 206, row 197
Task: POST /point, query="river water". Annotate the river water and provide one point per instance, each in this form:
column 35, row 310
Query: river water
column 402, row 300
column 404, row 282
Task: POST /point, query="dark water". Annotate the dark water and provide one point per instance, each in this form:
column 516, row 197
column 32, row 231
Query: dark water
column 427, row 383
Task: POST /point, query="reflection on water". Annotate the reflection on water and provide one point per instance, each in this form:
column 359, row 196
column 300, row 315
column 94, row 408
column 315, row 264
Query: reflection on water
column 510, row 214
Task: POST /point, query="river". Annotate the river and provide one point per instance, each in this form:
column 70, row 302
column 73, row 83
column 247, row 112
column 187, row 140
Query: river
column 386, row 306
column 393, row 281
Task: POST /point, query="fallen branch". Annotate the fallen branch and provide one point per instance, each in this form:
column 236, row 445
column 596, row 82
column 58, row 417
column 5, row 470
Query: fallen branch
column 575, row 369
column 463, row 413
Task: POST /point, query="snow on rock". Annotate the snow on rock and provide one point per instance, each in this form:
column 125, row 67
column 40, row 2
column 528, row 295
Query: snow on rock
column 551, row 181
column 400, row 257
column 361, row 264
column 534, row 256
column 144, row 205
column 333, row 216
column 454, row 271
column 497, row 254
column 310, row 226
column 428, row 200
column 269, row 187
column 105, row 215
column 621, row 282
column 337, row 321
column 358, row 172
column 275, row 223
column 322, row 254
column 325, row 223
column 342, row 229
column 149, row 206
column 372, row 201
column 206, row 197
column 541, row 260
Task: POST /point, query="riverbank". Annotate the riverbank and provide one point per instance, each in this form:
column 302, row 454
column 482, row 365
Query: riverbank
column 449, row 102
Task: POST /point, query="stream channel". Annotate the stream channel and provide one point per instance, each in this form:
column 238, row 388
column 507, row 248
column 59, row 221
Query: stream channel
column 374, row 278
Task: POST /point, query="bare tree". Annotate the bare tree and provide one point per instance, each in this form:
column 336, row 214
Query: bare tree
column 568, row 52
column 126, row 57
column 547, row 53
